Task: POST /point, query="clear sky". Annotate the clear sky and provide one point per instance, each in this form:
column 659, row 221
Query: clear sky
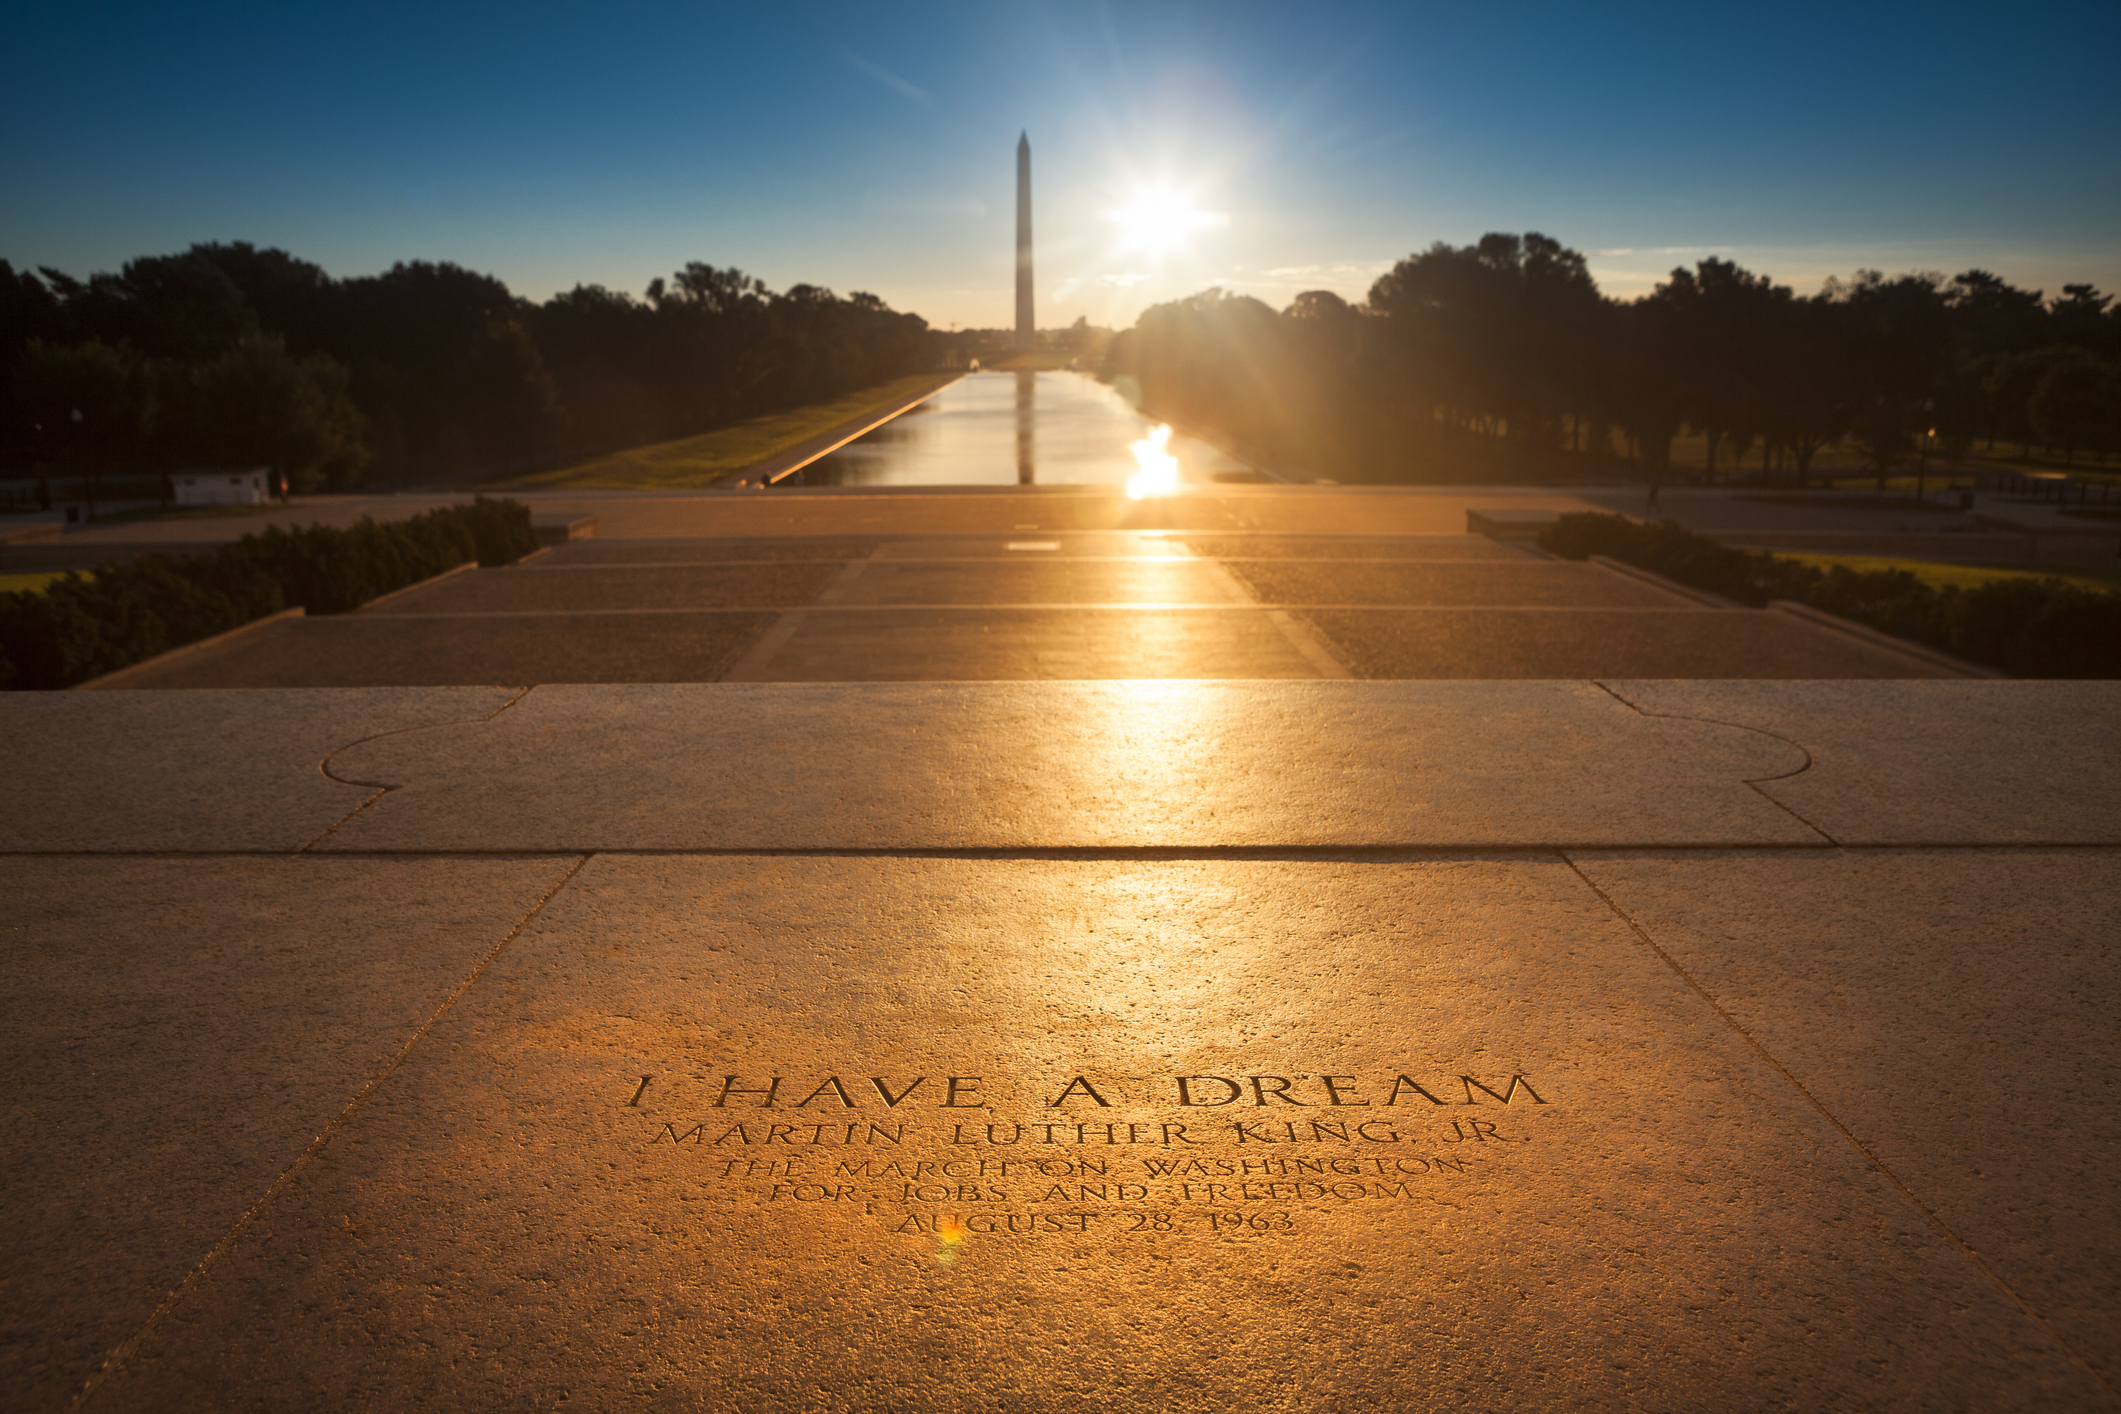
column 872, row 147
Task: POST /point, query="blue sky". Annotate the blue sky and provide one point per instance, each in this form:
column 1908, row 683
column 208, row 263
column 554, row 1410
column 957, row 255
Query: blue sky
column 872, row 147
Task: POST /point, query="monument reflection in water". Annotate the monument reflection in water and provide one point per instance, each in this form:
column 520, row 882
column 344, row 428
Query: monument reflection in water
column 995, row 429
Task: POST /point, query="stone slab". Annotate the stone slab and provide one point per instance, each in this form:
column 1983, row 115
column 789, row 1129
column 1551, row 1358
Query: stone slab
column 1057, row 581
column 649, row 1162
column 175, row 1033
column 1957, row 1013
column 530, row 590
column 1452, row 584
column 1355, row 547
column 1153, row 765
column 201, row 771
column 667, row 552
column 1680, row 642
column 1281, row 510
column 1508, row 524
column 394, row 649
column 1055, row 765
column 1931, row 762
column 978, row 643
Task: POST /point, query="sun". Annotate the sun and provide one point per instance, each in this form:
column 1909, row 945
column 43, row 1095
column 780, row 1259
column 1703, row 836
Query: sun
column 1161, row 220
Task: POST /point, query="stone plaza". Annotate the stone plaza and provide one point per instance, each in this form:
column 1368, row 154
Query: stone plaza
column 1265, row 948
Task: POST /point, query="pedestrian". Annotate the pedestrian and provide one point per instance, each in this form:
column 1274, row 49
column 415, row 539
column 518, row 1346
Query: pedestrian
column 1650, row 507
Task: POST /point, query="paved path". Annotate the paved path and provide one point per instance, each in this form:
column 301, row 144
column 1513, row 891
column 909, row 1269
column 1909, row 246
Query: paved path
column 1545, row 1046
column 1033, row 604
column 1063, row 1030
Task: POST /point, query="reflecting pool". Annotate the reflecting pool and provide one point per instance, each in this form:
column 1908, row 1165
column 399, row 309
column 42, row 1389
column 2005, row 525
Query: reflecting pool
column 998, row 429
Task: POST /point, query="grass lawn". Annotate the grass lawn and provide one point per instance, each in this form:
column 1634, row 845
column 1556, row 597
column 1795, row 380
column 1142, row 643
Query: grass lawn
column 707, row 458
column 1938, row 574
column 1933, row 484
column 1853, row 502
column 33, row 583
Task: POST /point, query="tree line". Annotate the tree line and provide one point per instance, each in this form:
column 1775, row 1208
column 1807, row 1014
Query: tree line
column 228, row 355
column 1503, row 356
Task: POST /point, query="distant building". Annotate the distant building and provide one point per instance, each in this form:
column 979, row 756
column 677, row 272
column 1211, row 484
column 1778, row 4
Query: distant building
column 247, row 487
column 1026, row 324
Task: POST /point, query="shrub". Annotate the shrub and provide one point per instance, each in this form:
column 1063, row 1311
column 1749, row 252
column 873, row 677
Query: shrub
column 2027, row 627
column 79, row 628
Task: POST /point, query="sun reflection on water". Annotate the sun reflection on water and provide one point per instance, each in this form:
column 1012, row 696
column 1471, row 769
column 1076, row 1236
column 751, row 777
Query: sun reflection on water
column 1159, row 469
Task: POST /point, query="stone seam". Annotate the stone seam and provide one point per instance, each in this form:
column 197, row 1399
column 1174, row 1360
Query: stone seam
column 1754, row 784
column 1143, row 854
column 1878, row 1165
column 177, row 1296
column 383, row 788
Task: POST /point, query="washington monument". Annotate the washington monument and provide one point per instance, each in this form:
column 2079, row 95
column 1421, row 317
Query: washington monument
column 1026, row 324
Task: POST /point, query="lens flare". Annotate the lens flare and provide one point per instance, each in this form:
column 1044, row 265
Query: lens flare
column 949, row 1232
column 1159, row 469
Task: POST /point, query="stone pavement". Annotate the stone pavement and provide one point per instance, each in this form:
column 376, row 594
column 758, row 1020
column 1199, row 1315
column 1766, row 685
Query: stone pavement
column 1070, row 605
column 1690, row 1045
column 1305, row 1044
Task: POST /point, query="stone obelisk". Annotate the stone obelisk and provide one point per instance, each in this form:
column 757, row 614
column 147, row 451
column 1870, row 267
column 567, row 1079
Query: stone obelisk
column 1026, row 324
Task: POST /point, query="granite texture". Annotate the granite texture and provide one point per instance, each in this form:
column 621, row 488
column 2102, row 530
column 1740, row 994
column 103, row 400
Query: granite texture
column 390, row 650
column 1956, row 1011
column 199, row 771
column 1533, row 643
column 761, row 584
column 1967, row 762
column 175, row 1033
column 1055, row 765
column 1452, row 584
column 1020, row 645
column 1030, row 765
column 546, row 1206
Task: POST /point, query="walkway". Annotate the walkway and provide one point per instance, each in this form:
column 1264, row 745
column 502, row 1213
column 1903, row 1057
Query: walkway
column 1035, row 604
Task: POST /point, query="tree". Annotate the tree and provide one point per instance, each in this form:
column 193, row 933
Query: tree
column 1722, row 322
column 1496, row 336
column 165, row 306
column 2078, row 319
column 91, row 403
column 444, row 369
column 2078, row 403
column 258, row 405
column 1898, row 337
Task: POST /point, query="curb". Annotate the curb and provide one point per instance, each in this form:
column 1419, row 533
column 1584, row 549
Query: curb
column 1658, row 581
column 1957, row 667
column 431, row 580
column 118, row 679
column 561, row 527
column 799, row 456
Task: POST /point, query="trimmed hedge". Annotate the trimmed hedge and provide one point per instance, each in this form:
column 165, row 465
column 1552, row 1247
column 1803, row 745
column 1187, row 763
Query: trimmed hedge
column 81, row 628
column 2030, row 628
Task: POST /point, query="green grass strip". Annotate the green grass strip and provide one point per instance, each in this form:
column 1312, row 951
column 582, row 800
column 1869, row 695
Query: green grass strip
column 692, row 462
column 1939, row 573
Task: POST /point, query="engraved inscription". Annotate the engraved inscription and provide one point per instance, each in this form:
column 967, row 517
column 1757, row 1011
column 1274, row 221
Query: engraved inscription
column 1219, row 1154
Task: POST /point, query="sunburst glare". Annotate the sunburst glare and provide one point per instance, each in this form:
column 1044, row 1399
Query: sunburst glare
column 1159, row 469
column 1160, row 220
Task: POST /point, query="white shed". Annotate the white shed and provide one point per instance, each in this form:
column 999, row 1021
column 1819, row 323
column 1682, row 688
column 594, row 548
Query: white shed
column 246, row 487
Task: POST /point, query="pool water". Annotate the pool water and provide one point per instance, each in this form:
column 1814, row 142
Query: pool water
column 1000, row 429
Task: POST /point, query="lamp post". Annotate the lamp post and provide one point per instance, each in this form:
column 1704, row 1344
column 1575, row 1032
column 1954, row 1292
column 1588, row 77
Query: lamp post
column 1922, row 446
column 88, row 483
